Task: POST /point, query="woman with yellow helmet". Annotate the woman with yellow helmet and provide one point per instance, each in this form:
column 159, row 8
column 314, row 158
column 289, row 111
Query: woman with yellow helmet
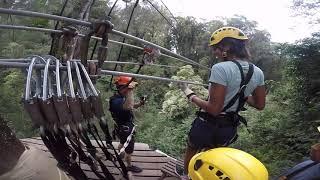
column 233, row 82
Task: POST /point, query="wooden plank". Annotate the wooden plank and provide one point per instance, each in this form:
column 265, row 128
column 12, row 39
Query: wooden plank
column 143, row 165
column 138, row 146
column 113, row 170
column 135, row 159
column 151, row 162
column 169, row 168
column 148, row 153
column 174, row 163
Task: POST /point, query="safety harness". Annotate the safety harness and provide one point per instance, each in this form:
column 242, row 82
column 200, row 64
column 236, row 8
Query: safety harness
column 232, row 118
column 121, row 118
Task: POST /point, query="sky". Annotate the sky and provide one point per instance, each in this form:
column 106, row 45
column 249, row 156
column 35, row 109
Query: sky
column 275, row 16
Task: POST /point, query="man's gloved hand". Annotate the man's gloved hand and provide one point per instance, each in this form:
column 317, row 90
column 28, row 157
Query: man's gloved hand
column 132, row 85
column 186, row 90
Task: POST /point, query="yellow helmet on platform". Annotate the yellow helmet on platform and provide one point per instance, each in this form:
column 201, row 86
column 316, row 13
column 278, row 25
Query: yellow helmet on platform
column 224, row 32
column 226, row 164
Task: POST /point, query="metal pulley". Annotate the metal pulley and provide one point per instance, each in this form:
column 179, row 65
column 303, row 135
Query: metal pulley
column 69, row 41
column 150, row 54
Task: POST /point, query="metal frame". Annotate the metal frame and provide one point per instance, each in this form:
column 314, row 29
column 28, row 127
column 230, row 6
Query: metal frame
column 106, row 72
column 89, row 24
column 27, row 28
column 106, row 62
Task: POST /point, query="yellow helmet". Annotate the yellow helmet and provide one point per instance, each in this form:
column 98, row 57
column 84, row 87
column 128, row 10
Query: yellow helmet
column 226, row 164
column 224, row 32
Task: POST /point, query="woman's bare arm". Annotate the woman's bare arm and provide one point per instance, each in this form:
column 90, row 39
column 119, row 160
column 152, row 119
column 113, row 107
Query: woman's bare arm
column 215, row 103
column 258, row 98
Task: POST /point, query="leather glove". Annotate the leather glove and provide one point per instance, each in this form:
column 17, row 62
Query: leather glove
column 132, row 85
column 186, row 90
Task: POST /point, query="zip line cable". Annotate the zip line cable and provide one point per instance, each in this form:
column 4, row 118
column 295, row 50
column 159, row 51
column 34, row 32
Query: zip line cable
column 114, row 4
column 161, row 14
column 126, row 31
column 169, row 11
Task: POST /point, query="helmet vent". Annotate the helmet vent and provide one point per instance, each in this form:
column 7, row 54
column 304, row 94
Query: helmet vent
column 198, row 164
column 219, row 173
column 210, row 168
column 241, row 34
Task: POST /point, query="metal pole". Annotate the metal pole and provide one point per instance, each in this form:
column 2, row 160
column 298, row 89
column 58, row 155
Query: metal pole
column 3, row 26
column 107, row 62
column 118, row 73
column 42, row 15
column 27, row 28
column 107, row 72
column 88, row 24
column 184, row 59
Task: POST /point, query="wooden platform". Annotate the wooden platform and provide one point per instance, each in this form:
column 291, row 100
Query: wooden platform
column 150, row 161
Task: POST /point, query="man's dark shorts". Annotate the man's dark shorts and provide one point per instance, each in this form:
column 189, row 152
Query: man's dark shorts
column 123, row 133
column 204, row 134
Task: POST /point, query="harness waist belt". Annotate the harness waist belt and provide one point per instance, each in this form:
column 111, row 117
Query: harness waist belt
column 222, row 120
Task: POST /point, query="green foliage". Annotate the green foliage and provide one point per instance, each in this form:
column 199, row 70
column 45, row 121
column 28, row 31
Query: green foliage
column 11, row 89
column 17, row 50
column 176, row 105
column 280, row 135
column 162, row 133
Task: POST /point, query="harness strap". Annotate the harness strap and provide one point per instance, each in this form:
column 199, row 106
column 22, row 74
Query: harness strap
column 125, row 145
column 297, row 169
column 243, row 86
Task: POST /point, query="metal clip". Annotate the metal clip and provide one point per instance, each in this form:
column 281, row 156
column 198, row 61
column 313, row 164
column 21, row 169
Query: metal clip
column 31, row 104
column 46, row 102
column 60, row 101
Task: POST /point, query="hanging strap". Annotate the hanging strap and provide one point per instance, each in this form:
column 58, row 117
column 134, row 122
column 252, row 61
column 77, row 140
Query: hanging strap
column 243, row 85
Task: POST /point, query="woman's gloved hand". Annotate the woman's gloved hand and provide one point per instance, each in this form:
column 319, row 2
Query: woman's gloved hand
column 186, row 90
